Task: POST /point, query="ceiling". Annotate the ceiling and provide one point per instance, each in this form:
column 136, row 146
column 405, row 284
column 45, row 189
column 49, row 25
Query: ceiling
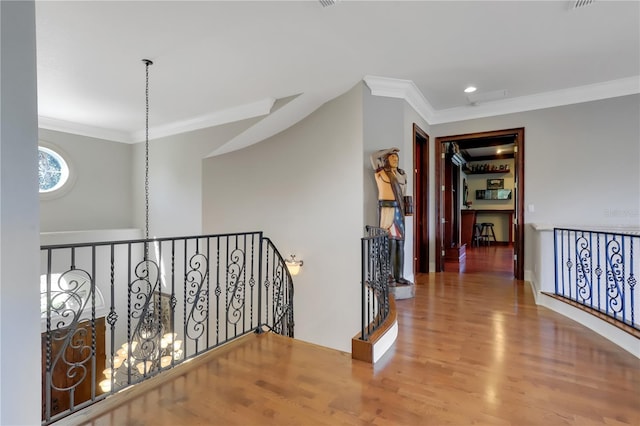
column 218, row 62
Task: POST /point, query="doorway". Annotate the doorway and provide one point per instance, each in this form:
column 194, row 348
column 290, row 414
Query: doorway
column 453, row 152
column 421, row 214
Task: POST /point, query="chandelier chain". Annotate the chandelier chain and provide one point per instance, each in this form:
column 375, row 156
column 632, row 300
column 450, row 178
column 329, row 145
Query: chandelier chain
column 146, row 156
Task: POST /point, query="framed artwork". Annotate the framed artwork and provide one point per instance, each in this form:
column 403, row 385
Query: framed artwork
column 495, row 183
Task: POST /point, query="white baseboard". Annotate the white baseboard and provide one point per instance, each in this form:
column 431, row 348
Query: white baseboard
column 617, row 336
column 385, row 342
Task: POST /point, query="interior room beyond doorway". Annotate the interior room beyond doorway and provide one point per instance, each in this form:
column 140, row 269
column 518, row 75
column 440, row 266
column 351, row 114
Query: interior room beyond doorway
column 481, row 179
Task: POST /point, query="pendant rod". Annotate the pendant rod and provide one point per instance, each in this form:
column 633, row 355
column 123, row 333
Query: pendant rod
column 147, row 63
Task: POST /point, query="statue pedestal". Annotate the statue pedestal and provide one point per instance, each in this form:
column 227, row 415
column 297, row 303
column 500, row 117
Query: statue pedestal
column 403, row 291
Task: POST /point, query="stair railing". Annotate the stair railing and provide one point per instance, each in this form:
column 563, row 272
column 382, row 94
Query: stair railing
column 117, row 313
column 375, row 267
column 599, row 270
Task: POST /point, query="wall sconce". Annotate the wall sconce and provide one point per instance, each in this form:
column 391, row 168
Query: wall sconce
column 294, row 265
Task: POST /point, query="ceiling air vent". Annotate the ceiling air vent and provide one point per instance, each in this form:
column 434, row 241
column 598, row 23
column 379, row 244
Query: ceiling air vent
column 326, row 3
column 476, row 98
column 582, row 3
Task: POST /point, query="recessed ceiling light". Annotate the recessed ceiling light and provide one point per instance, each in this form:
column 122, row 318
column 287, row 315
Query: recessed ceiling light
column 470, row 89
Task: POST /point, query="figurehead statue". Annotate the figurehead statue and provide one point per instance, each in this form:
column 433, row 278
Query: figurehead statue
column 393, row 206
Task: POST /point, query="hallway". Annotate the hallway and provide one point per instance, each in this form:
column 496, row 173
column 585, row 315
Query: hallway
column 472, row 349
column 492, row 260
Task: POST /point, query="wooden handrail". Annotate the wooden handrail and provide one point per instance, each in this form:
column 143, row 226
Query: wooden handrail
column 363, row 349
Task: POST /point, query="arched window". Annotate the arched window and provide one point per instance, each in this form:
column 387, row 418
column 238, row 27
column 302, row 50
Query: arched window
column 53, row 170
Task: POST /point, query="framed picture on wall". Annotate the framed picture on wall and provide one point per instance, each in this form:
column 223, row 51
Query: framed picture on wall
column 495, row 183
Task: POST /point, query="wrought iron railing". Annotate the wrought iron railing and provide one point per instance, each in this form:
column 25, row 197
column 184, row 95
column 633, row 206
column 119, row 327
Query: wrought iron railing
column 599, row 270
column 117, row 313
column 375, row 264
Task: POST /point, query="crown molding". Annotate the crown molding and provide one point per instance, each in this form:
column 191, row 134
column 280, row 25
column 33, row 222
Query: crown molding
column 229, row 115
column 401, row 89
column 83, row 130
column 379, row 86
column 405, row 89
column 282, row 118
column 573, row 95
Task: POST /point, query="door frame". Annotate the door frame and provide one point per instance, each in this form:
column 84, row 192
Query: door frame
column 518, row 221
column 421, row 200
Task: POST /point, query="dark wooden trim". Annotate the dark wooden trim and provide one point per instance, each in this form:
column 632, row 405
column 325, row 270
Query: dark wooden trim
column 519, row 228
column 439, row 250
column 477, row 139
column 421, row 200
column 363, row 350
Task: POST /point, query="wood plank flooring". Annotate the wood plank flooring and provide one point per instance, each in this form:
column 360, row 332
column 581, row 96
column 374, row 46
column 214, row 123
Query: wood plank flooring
column 493, row 260
column 472, row 348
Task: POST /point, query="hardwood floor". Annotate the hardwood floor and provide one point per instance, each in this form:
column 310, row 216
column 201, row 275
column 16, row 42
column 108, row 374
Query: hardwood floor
column 494, row 260
column 472, row 349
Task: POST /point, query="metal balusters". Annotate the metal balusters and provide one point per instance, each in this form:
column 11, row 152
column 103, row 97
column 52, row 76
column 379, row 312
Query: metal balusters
column 152, row 324
column 598, row 270
column 375, row 280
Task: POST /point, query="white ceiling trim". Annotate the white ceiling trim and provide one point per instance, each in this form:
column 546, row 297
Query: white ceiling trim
column 402, row 89
column 281, row 119
column 405, row 89
column 83, row 130
column 573, row 95
column 229, row 115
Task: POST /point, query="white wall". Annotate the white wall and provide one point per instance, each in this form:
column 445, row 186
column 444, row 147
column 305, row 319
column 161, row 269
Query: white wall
column 175, row 179
column 19, row 218
column 581, row 162
column 303, row 188
column 100, row 196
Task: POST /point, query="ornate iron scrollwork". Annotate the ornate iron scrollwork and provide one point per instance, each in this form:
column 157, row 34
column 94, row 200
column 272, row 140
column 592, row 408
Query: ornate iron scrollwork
column 279, row 304
column 615, row 276
column 67, row 303
column 583, row 268
column 235, row 286
column 197, row 295
column 144, row 291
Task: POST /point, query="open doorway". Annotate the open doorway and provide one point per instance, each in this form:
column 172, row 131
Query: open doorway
column 476, row 182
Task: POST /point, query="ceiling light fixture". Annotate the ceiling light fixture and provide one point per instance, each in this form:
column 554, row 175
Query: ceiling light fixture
column 470, row 89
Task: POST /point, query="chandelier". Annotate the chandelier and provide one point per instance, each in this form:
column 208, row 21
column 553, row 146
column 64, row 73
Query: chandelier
column 152, row 345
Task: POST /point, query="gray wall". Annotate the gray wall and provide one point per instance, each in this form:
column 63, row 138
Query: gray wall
column 581, row 162
column 303, row 188
column 388, row 123
column 20, row 375
column 100, row 197
column 175, row 179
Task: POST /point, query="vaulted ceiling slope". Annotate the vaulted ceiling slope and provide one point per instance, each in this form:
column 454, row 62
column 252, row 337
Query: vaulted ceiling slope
column 217, row 62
